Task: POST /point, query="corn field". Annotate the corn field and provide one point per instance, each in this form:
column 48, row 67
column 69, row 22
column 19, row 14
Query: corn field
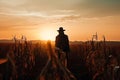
column 91, row 60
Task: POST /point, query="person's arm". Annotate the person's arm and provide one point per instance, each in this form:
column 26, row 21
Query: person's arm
column 56, row 42
column 68, row 46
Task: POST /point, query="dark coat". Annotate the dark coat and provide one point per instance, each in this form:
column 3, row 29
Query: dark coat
column 62, row 42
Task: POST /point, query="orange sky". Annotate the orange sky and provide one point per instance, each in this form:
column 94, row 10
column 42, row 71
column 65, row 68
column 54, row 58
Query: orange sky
column 40, row 19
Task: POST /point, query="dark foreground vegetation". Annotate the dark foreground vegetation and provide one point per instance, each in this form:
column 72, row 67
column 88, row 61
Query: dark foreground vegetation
column 87, row 60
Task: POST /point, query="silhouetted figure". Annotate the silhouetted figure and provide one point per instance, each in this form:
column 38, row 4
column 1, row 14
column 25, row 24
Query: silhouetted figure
column 62, row 44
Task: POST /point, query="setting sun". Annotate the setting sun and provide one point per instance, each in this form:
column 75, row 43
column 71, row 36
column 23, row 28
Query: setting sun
column 47, row 34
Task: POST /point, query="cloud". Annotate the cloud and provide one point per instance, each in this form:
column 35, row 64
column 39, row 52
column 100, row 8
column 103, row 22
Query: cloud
column 19, row 22
column 98, row 8
column 85, row 8
column 71, row 18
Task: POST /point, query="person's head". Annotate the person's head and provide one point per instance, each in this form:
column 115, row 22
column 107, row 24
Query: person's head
column 61, row 30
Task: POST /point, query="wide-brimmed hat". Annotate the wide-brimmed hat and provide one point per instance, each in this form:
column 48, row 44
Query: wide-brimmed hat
column 61, row 29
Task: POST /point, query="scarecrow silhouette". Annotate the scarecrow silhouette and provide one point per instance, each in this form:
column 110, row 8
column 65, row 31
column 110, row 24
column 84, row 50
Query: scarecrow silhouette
column 62, row 46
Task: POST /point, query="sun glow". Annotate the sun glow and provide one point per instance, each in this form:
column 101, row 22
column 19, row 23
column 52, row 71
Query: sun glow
column 47, row 34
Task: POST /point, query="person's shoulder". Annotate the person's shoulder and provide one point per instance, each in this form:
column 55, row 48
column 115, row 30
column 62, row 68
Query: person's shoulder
column 62, row 35
column 65, row 35
column 57, row 36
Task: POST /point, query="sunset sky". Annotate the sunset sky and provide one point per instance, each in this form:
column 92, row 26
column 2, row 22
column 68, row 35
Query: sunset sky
column 40, row 19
